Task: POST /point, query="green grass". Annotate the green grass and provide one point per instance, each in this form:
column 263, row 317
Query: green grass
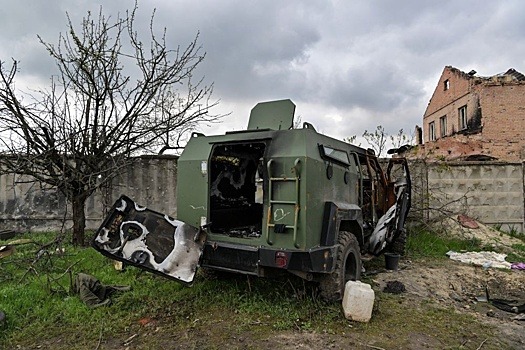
column 422, row 243
column 518, row 254
column 36, row 299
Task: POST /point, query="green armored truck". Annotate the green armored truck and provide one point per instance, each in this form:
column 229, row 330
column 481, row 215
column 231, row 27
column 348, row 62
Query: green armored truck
column 265, row 201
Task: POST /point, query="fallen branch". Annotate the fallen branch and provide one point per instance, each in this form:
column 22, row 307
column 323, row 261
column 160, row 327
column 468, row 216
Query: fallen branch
column 374, row 347
column 480, row 345
column 130, row 339
column 68, row 270
column 99, row 339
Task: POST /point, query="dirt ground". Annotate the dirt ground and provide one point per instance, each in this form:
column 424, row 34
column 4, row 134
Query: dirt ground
column 451, row 285
column 447, row 284
column 459, row 285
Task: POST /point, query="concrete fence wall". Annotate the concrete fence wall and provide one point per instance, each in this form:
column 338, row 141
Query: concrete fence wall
column 491, row 192
column 29, row 206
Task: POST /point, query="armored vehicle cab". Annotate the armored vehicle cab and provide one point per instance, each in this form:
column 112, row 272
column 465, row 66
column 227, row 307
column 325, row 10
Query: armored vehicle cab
column 274, row 199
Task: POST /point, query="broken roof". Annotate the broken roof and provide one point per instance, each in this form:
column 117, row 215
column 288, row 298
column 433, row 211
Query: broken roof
column 514, row 73
column 511, row 75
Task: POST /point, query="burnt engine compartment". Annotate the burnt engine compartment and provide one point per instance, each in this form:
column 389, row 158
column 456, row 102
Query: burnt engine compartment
column 237, row 175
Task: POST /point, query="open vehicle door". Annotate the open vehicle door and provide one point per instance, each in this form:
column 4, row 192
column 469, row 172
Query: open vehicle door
column 392, row 224
column 150, row 240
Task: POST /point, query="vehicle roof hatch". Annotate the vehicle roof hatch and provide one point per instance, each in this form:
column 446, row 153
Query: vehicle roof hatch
column 273, row 115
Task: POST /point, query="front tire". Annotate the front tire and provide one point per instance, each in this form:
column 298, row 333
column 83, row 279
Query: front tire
column 347, row 268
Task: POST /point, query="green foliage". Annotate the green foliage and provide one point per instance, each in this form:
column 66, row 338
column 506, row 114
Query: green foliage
column 35, row 295
column 512, row 231
column 377, row 139
column 422, row 243
column 518, row 253
column 519, row 247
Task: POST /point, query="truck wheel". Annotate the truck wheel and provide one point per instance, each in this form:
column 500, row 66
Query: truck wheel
column 347, row 268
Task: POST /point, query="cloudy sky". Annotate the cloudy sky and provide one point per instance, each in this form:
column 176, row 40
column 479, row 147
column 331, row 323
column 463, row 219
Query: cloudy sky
column 347, row 65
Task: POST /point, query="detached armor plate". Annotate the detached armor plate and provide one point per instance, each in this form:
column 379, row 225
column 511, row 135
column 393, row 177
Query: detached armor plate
column 150, row 240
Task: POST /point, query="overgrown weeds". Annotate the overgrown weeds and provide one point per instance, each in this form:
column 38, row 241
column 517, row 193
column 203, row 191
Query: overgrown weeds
column 430, row 244
column 36, row 297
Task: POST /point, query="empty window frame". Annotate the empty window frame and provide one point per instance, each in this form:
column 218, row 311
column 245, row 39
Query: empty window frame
column 336, row 155
column 432, row 131
column 462, row 115
column 443, row 126
column 446, row 85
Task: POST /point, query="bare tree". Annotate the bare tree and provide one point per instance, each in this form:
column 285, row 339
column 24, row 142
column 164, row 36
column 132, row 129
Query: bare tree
column 113, row 97
column 378, row 139
column 401, row 139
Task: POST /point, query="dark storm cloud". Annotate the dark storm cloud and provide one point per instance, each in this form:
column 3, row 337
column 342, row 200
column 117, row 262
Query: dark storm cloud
column 253, row 45
column 377, row 87
column 19, row 25
column 348, row 65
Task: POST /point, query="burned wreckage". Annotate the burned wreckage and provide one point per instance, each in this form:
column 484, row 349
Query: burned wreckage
column 268, row 200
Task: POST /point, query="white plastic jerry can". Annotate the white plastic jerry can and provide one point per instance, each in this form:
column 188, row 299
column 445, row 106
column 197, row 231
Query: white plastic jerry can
column 358, row 301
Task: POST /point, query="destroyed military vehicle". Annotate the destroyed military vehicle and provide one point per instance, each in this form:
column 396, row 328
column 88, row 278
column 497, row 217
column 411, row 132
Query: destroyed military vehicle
column 264, row 201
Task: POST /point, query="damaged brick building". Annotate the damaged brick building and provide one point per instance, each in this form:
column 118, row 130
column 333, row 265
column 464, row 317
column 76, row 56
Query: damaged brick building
column 475, row 118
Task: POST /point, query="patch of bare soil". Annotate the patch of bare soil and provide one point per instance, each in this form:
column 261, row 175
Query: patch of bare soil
column 487, row 235
column 442, row 283
column 449, row 285
column 462, row 286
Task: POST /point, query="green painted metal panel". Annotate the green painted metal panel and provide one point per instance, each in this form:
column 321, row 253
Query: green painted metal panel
column 273, row 115
column 293, row 152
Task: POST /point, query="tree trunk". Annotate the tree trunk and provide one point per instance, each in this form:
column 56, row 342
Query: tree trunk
column 79, row 221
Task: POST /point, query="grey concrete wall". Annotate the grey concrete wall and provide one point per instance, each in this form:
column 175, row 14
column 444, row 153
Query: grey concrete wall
column 490, row 192
column 28, row 206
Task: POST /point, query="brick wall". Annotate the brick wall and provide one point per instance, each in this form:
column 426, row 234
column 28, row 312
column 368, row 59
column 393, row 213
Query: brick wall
column 503, row 108
column 459, row 85
column 495, row 116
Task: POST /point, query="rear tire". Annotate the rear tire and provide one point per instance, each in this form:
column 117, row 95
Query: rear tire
column 347, row 268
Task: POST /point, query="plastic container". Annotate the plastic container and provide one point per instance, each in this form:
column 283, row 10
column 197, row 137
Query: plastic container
column 392, row 261
column 358, row 301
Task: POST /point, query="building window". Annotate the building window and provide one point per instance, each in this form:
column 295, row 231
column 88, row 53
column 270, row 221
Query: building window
column 446, row 85
column 443, row 126
column 431, row 131
column 462, row 113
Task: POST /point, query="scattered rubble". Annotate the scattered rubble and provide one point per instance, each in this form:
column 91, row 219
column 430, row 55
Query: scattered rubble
column 394, row 287
column 466, row 287
column 467, row 222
